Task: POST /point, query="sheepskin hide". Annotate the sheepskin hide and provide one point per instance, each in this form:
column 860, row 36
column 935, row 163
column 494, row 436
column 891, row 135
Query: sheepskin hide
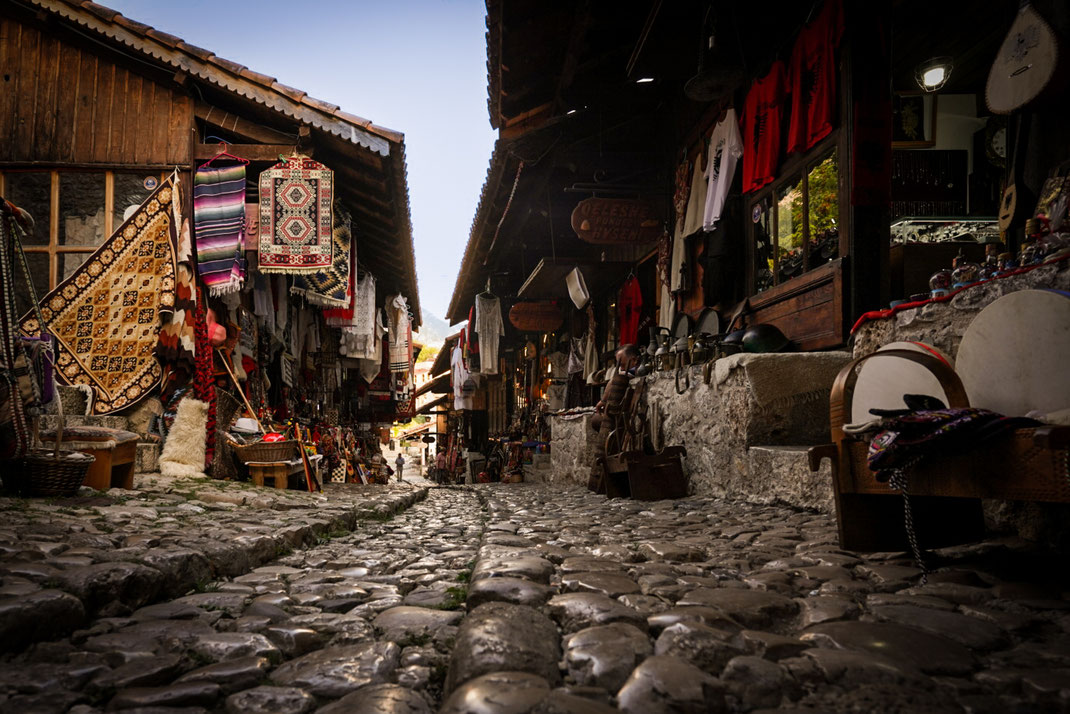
column 183, row 452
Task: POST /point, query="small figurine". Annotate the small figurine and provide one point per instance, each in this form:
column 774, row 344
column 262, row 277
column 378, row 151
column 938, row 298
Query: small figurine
column 964, row 272
column 940, row 284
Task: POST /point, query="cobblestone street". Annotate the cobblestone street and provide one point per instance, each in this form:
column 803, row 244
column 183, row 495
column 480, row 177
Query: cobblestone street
column 506, row 598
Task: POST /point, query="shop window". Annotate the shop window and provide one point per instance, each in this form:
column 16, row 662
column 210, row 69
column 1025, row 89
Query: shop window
column 74, row 213
column 82, row 209
column 795, row 220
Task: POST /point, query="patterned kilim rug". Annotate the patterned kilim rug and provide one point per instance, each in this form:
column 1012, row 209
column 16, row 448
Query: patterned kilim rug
column 295, row 217
column 106, row 316
column 331, row 288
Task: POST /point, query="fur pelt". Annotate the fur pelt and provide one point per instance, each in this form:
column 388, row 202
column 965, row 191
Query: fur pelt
column 183, row 452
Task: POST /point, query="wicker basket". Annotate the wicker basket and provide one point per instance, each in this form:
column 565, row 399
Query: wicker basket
column 53, row 472
column 48, row 472
column 267, row 451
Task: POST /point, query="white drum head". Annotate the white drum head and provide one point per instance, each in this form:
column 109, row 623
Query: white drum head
column 1013, row 357
column 883, row 381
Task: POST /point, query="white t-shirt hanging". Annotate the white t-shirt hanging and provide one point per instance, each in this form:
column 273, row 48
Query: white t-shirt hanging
column 726, row 147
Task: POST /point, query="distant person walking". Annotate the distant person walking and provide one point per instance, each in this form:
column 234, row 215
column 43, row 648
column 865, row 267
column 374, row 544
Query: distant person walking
column 440, row 467
column 400, row 463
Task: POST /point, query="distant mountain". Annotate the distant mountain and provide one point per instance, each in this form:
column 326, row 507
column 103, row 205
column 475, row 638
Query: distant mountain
column 434, row 330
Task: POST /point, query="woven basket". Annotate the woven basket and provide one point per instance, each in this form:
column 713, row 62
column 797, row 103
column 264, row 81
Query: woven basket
column 47, row 472
column 53, row 472
column 267, row 451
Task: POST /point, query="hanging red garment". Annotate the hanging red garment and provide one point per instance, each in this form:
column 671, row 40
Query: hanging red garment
column 812, row 78
column 629, row 305
column 470, row 331
column 762, row 112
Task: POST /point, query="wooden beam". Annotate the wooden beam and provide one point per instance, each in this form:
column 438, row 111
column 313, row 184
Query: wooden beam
column 252, row 152
column 581, row 22
column 241, row 127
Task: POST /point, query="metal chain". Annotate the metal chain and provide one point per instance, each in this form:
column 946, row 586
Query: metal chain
column 900, row 482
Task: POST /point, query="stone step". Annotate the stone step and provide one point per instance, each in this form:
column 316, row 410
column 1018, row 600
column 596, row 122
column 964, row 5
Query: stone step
column 782, row 473
column 49, row 421
column 147, row 460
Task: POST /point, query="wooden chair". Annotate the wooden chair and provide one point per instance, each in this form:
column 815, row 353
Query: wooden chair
column 945, row 490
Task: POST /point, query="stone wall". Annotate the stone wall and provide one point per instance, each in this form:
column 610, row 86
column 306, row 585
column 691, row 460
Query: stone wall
column 571, row 450
column 720, row 424
column 942, row 324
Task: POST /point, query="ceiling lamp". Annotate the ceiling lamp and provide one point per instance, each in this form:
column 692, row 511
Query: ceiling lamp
column 934, row 73
column 719, row 71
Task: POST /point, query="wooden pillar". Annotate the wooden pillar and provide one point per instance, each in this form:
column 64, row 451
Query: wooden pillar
column 866, row 144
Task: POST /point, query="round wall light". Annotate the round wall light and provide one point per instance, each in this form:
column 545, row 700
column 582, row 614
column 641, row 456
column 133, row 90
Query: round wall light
column 934, row 73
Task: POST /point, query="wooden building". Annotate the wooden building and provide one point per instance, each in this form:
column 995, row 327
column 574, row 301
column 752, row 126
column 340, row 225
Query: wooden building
column 96, row 107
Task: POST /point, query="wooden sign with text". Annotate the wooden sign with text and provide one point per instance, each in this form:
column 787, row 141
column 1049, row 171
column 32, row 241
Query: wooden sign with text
column 616, row 221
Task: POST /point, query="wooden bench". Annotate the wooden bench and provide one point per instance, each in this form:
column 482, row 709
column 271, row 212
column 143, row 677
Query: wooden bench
column 115, row 451
column 280, row 471
column 945, row 490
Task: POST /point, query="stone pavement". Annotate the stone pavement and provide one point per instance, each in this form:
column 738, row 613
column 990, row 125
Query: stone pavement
column 504, row 598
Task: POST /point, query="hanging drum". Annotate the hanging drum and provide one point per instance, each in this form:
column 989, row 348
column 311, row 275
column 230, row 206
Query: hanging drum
column 543, row 316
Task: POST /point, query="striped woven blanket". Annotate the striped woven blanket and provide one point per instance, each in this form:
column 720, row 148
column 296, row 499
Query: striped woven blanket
column 219, row 227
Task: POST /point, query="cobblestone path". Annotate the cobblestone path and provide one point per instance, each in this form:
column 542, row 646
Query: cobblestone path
column 527, row 598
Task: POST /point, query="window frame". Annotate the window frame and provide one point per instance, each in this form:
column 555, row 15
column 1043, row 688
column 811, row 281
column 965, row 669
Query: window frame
column 52, row 246
column 796, row 168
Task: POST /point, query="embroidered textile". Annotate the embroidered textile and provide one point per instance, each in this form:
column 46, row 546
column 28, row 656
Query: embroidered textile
column 219, row 227
column 14, row 421
column 400, row 351
column 489, row 327
column 332, row 287
column 177, row 340
column 106, row 315
column 295, row 217
column 361, row 334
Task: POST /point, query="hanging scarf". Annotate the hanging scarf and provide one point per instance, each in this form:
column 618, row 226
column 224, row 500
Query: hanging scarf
column 204, row 379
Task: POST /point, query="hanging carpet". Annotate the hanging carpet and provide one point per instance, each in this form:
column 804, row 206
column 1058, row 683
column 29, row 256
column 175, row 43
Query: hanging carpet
column 295, row 217
column 219, row 226
column 331, row 288
column 106, row 315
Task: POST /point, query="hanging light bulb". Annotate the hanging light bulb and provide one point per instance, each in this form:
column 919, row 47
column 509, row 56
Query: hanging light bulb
column 933, row 74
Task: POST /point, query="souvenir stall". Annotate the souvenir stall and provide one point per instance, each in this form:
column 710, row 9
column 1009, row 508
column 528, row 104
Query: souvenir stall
column 235, row 282
column 736, row 216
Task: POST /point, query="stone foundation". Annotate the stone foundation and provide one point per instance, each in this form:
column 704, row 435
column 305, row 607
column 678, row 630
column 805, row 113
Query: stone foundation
column 721, row 424
column 571, row 450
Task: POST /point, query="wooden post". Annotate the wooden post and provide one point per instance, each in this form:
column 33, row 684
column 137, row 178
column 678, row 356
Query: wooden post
column 866, row 151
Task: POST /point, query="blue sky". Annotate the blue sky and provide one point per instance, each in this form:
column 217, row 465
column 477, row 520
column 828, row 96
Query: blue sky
column 415, row 66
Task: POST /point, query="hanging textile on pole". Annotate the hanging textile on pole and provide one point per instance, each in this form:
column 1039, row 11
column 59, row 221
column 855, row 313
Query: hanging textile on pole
column 106, row 315
column 295, row 217
column 219, row 226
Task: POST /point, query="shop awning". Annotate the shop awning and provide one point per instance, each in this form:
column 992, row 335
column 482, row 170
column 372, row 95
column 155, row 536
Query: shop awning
column 547, row 280
column 440, row 402
column 416, row 430
column 438, row 385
